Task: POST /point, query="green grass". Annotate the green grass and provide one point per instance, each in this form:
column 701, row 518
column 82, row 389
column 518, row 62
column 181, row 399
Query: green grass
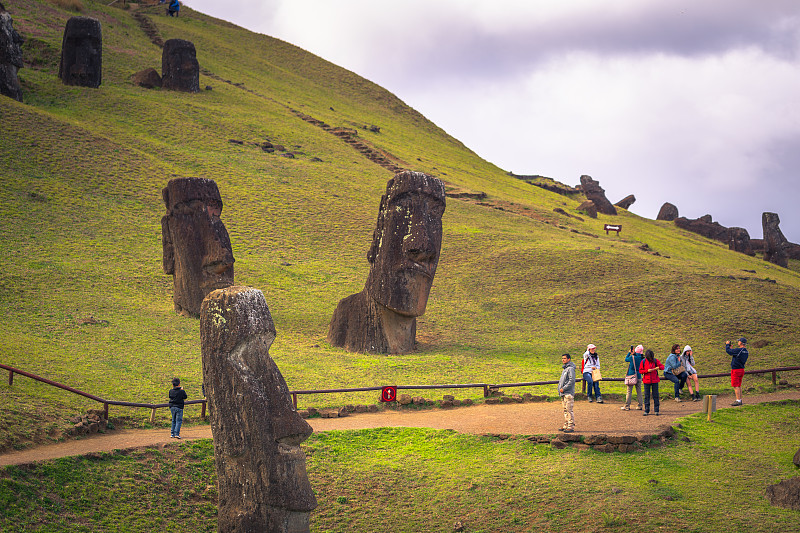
column 426, row 480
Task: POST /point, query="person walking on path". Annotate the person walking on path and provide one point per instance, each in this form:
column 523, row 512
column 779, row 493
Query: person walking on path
column 566, row 390
column 633, row 378
column 177, row 397
column 738, row 359
column 591, row 363
column 649, row 368
column 687, row 360
column 674, row 372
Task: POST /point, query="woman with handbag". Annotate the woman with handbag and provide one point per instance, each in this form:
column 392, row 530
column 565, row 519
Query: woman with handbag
column 675, row 371
column 687, row 360
column 591, row 373
column 633, row 378
column 649, row 368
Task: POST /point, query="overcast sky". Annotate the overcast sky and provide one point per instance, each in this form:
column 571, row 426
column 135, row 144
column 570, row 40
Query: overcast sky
column 693, row 102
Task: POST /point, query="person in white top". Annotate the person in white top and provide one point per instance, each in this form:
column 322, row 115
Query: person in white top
column 591, row 361
column 687, row 360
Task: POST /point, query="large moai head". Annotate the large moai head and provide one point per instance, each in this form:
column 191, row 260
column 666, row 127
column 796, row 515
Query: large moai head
column 196, row 246
column 10, row 56
column 775, row 244
column 82, row 53
column 180, row 70
column 261, row 472
column 406, row 243
column 594, row 192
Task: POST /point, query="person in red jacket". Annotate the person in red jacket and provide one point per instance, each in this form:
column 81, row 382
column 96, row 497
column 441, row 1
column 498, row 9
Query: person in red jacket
column 649, row 368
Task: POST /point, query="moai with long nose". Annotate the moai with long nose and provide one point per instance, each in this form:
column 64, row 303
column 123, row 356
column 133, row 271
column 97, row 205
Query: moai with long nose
column 261, row 469
column 10, row 56
column 403, row 260
column 82, row 53
column 196, row 247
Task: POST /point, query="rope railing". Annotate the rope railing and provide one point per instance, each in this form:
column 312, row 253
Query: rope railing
column 487, row 388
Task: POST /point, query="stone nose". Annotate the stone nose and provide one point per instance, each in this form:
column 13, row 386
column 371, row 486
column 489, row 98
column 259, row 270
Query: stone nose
column 419, row 243
column 218, row 256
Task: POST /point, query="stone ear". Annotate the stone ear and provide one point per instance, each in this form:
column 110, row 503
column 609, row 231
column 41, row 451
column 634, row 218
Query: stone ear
column 165, row 196
column 376, row 235
column 168, row 250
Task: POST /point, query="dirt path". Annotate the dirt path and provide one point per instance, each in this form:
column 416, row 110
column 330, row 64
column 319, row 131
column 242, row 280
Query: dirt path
column 519, row 419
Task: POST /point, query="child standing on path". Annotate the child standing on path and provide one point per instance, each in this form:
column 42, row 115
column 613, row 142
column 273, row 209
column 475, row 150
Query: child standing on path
column 177, row 396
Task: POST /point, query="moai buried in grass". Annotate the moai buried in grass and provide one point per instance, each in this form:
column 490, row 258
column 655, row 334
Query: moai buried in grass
column 82, row 53
column 196, row 247
column 180, row 70
column 261, row 469
column 403, row 260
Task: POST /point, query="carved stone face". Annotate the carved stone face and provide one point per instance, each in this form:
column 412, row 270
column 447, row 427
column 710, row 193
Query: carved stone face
column 263, row 485
column 196, row 246
column 180, row 70
column 82, row 53
column 406, row 243
column 10, row 56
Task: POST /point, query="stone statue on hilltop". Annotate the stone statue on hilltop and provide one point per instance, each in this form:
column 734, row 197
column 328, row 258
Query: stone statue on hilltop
column 82, row 53
column 180, row 70
column 403, row 259
column 261, row 469
column 196, row 247
column 594, row 192
column 667, row 212
column 739, row 241
column 10, row 56
column 775, row 244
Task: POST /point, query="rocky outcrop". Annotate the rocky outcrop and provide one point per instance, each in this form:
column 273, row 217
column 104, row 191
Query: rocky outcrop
column 775, row 244
column 626, row 202
column 82, row 53
column 180, row 70
column 704, row 226
column 10, row 56
column 147, row 78
column 739, row 241
column 667, row 212
column 403, row 260
column 592, row 190
column 261, row 469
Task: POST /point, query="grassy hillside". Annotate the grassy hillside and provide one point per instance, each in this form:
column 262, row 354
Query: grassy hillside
column 517, row 285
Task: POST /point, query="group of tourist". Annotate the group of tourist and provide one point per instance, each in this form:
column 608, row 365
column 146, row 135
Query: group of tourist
column 643, row 367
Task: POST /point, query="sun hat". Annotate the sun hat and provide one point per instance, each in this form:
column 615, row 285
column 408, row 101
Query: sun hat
column 639, row 349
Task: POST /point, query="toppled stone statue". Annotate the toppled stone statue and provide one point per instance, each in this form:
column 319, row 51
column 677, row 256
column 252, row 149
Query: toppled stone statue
column 588, row 208
column 147, row 78
column 180, row 70
column 775, row 244
column 739, row 241
column 196, row 246
column 668, row 211
column 261, row 469
column 10, row 56
column 594, row 192
column 705, row 226
column 626, row 202
column 82, row 53
column 403, row 259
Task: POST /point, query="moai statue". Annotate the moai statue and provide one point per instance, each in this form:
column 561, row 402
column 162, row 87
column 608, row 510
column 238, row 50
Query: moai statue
column 10, row 56
column 196, row 247
column 775, row 244
column 668, row 212
column 594, row 192
column 403, row 259
column 180, row 70
column 82, row 53
column 739, row 241
column 261, row 469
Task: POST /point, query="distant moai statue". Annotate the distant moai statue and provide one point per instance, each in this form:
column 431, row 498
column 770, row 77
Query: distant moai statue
column 82, row 53
column 261, row 472
column 775, row 244
column 667, row 212
column 626, row 202
column 10, row 56
column 739, row 241
column 196, row 246
column 403, row 258
column 180, row 70
column 594, row 192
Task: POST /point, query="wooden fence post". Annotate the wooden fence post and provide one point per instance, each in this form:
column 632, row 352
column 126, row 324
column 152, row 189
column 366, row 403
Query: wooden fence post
column 105, row 408
column 153, row 416
column 203, row 410
column 10, row 378
column 774, row 377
